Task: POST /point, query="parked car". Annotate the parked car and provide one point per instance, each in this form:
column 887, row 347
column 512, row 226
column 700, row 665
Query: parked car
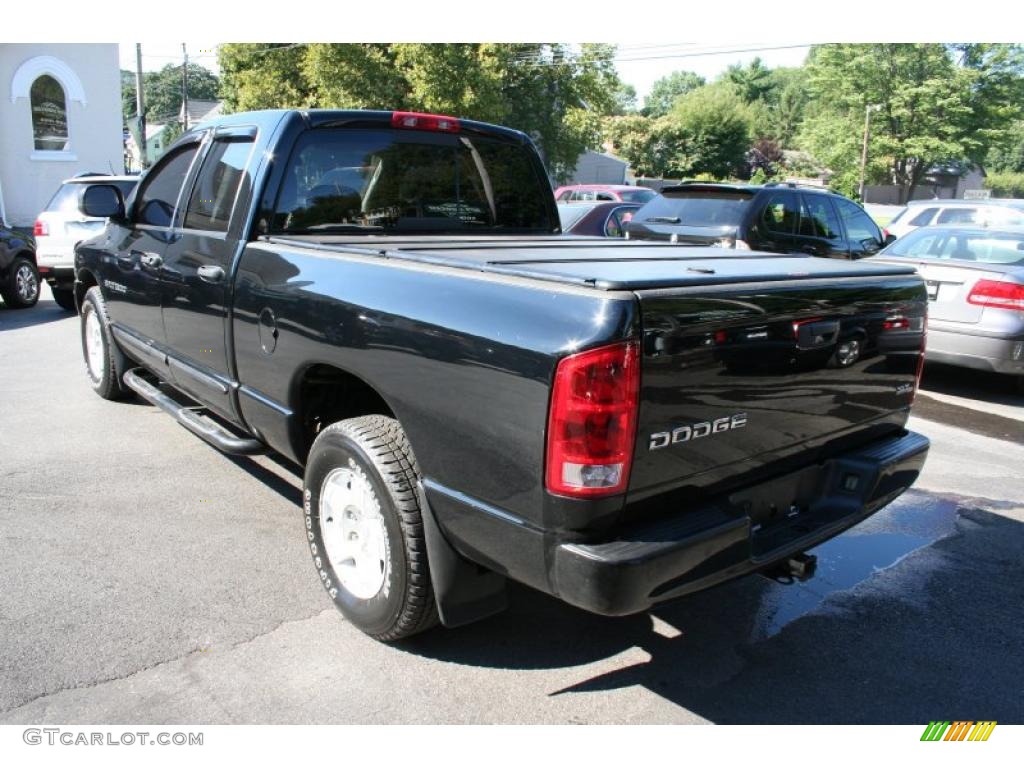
column 779, row 218
column 986, row 213
column 60, row 227
column 475, row 397
column 975, row 280
column 596, row 219
column 587, row 193
column 19, row 277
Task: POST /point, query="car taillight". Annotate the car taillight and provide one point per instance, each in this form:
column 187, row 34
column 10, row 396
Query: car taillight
column 993, row 293
column 40, row 229
column 592, row 422
column 424, row 122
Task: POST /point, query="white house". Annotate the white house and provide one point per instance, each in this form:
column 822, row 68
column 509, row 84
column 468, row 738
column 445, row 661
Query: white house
column 60, row 114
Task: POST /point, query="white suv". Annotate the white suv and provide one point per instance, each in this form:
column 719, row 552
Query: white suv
column 922, row 213
column 62, row 226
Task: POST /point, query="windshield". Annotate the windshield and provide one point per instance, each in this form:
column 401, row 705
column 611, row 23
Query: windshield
column 372, row 181
column 697, row 208
column 984, row 246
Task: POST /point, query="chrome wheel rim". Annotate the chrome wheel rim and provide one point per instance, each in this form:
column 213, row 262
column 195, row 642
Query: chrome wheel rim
column 93, row 344
column 25, row 283
column 353, row 532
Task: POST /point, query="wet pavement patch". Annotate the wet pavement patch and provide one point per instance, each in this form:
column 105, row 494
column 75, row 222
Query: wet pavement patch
column 913, row 521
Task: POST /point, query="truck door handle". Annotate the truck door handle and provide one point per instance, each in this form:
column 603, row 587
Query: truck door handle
column 152, row 260
column 211, row 273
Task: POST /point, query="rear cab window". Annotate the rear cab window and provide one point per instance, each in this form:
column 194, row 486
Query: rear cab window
column 373, row 181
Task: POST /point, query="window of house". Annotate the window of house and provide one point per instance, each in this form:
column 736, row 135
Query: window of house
column 49, row 114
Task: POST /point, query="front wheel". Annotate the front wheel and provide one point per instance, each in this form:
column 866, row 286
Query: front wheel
column 104, row 362
column 21, row 288
column 365, row 528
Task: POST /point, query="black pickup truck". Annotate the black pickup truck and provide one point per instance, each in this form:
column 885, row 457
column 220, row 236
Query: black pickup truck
column 385, row 298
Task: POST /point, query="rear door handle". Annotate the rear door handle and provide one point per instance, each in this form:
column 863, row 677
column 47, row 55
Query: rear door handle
column 211, row 273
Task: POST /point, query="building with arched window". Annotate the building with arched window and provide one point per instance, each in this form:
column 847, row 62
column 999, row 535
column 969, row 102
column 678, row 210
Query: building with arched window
column 60, row 115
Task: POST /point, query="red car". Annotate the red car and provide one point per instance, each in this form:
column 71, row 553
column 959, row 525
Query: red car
column 589, row 193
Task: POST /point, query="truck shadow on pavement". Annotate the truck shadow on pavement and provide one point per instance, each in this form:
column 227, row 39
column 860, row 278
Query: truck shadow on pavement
column 915, row 615
column 45, row 311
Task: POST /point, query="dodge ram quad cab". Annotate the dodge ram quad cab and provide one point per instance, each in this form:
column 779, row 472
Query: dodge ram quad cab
column 385, row 299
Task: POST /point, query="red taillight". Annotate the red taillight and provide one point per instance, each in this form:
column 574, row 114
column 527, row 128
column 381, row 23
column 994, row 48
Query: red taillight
column 885, row 234
column 896, row 323
column 40, row 229
column 423, row 122
column 993, row 293
column 592, row 423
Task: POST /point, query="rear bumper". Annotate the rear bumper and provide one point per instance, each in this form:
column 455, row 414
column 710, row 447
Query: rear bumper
column 739, row 533
column 1002, row 354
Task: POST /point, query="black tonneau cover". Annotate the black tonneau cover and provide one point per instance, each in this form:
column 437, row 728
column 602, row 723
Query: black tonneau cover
column 599, row 262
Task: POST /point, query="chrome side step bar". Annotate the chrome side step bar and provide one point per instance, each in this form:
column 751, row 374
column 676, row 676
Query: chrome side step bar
column 216, row 435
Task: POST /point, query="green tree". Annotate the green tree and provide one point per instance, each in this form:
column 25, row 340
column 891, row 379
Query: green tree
column 633, row 138
column 555, row 93
column 163, row 93
column 666, row 90
column 935, row 103
column 1009, row 157
column 753, row 82
column 708, row 131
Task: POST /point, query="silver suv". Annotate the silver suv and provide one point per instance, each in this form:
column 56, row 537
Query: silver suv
column 986, row 213
column 62, row 226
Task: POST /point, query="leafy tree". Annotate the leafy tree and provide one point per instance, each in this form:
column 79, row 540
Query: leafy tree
column 162, row 90
column 632, row 137
column 709, row 129
column 935, row 103
column 1009, row 156
column 555, row 93
column 263, row 76
column 753, row 82
column 666, row 90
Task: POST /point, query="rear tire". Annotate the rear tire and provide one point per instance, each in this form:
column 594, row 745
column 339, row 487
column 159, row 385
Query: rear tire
column 365, row 529
column 65, row 298
column 21, row 287
column 104, row 362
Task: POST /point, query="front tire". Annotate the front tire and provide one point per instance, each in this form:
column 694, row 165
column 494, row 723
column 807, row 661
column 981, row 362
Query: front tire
column 104, row 362
column 365, row 527
column 65, row 298
column 21, row 288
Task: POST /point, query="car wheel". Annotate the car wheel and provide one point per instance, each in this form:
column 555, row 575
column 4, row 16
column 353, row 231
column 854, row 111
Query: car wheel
column 22, row 285
column 365, row 529
column 104, row 362
column 65, row 298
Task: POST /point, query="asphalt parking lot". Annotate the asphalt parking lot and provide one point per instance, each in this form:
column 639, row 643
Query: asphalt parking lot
column 146, row 578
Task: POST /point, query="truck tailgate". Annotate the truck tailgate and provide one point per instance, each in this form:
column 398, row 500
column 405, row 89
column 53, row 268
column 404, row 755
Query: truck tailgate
column 745, row 380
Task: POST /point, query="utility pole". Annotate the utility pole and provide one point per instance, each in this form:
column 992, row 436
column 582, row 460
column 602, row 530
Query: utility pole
column 864, row 151
column 184, row 88
column 140, row 105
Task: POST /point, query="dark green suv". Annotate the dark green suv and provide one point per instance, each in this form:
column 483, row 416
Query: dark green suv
column 780, row 218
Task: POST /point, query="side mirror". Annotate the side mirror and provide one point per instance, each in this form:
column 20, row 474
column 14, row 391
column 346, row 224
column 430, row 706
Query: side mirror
column 102, row 201
column 890, row 238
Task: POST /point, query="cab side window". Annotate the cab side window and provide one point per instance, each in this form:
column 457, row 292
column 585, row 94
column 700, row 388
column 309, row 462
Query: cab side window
column 780, row 215
column 958, row 216
column 924, row 217
column 860, row 229
column 215, row 191
column 818, row 218
column 158, row 194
